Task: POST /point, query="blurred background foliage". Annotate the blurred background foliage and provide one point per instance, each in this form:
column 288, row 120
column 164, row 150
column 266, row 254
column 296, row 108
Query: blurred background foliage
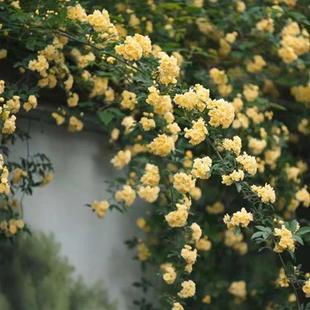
column 34, row 275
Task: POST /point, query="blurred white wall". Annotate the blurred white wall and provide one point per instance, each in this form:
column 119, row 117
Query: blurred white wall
column 95, row 247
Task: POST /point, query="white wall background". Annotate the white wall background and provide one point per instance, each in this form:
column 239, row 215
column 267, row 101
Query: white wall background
column 95, row 247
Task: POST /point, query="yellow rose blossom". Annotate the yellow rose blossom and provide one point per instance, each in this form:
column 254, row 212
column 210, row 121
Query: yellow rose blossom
column 127, row 195
column 203, row 244
column 282, row 280
column 75, row 124
column 177, row 218
column 76, row 12
column 162, row 145
column 240, row 218
column 303, row 196
column 256, row 145
column 130, row 50
column 196, row 232
column 221, row 113
column 100, row 208
column 9, row 125
column 233, row 145
column 58, row 118
column 168, row 69
column 121, row 159
column 40, row 65
column 183, row 182
column 143, row 252
column 250, row 92
column 306, row 288
column 169, row 273
column 235, row 176
column 197, row 133
column 31, row 103
column 151, row 175
column 188, row 289
column 129, row 100
column 206, row 299
column 266, row 193
column 201, row 167
column 265, row 25
column 216, row 208
column 73, row 100
column 238, row 289
column 147, row 123
column 286, row 241
column 177, row 306
column 148, row 193
column 256, row 65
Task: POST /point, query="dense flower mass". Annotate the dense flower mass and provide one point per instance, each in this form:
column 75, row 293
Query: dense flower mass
column 189, row 153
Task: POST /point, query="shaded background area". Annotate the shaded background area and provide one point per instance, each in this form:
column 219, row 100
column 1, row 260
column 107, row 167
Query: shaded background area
column 94, row 247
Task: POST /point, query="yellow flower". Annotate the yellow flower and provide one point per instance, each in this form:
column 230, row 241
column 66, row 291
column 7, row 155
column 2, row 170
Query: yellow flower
column 161, row 104
column 168, row 69
column 151, row 175
column 100, row 207
column 143, row 252
column 121, row 159
column 3, row 53
column 58, row 118
column 188, row 289
column 256, row 146
column 203, row 244
column 235, row 176
column 206, row 299
column 248, row 163
column 127, row 195
column 130, row 50
column 73, row 100
column 148, row 193
column 129, row 100
column 256, row 65
column 233, row 145
column 282, row 280
column 162, row 145
column 265, row 193
column 177, row 306
column 31, row 103
column 40, row 65
column 286, row 241
column 100, row 21
column 306, row 288
column 201, row 167
column 250, row 91
column 303, row 196
column 238, row 289
column 183, row 182
column 189, row 254
column 216, row 208
column 9, row 125
column 75, row 124
column 76, row 13
column 196, row 232
column 197, row 133
column 240, row 218
column 177, row 218
column 265, row 25
column 147, row 123
column 169, row 273
column 221, row 113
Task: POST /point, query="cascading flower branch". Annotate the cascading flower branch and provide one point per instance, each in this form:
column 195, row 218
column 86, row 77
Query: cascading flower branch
column 156, row 118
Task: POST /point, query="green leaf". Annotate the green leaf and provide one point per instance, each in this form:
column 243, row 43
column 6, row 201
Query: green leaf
column 303, row 231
